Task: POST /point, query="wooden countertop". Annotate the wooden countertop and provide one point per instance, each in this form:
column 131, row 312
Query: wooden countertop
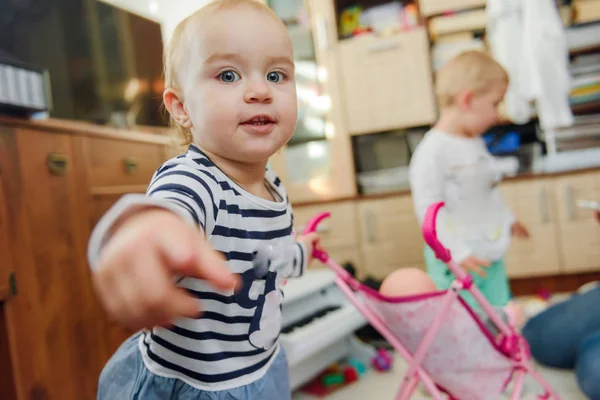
column 404, row 192
column 141, row 134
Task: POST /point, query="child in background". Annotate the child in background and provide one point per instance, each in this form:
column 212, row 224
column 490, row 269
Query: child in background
column 164, row 261
column 452, row 164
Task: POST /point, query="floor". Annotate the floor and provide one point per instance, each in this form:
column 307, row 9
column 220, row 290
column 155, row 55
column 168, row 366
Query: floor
column 385, row 386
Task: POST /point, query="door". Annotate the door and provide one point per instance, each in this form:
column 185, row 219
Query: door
column 52, row 323
column 534, row 204
column 579, row 230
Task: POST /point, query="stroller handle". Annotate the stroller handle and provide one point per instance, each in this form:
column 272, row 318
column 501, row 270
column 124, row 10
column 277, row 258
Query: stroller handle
column 430, row 233
column 312, row 227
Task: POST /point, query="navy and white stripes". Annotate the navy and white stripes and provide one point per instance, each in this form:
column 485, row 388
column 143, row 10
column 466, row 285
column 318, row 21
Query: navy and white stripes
column 234, row 340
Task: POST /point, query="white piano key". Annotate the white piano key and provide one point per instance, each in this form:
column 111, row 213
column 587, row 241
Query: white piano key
column 305, row 341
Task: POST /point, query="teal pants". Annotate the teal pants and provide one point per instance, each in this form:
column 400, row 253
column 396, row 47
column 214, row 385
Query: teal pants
column 494, row 285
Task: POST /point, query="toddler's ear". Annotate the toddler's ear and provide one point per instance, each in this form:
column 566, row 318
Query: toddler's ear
column 176, row 108
column 464, row 99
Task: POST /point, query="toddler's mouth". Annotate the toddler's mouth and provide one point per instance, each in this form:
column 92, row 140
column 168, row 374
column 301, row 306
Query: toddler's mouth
column 259, row 120
column 259, row 124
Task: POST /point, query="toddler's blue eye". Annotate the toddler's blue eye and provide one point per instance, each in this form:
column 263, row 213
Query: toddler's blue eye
column 229, row 76
column 275, row 77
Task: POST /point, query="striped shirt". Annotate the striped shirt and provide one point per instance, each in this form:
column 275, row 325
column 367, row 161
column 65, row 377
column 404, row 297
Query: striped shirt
column 234, row 340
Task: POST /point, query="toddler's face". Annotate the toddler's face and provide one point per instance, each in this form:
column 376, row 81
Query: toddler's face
column 238, row 87
column 483, row 111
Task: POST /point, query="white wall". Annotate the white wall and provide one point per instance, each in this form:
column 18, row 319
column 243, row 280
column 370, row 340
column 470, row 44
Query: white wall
column 167, row 12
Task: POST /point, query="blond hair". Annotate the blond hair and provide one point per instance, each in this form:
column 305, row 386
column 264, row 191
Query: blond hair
column 176, row 50
column 471, row 70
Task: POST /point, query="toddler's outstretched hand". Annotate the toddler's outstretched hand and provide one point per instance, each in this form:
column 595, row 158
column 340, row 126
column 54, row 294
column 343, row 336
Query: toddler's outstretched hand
column 475, row 264
column 518, row 229
column 135, row 278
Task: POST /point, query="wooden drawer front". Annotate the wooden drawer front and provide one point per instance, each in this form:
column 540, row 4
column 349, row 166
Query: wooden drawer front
column 390, row 235
column 387, row 81
column 537, row 255
column 572, row 188
column 383, row 259
column 388, row 220
column 341, row 229
column 432, row 7
column 533, row 201
column 580, row 242
column 116, row 163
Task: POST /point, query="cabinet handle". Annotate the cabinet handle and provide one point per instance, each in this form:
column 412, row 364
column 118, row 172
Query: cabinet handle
column 570, row 202
column 369, row 226
column 57, row 164
column 130, row 165
column 544, row 206
column 383, row 46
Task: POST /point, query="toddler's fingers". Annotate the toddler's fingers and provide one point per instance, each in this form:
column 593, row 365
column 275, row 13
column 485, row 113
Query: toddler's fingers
column 189, row 253
column 481, row 262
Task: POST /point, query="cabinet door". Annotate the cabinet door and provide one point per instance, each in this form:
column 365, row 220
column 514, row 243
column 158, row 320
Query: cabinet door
column 579, row 230
column 390, row 235
column 387, row 82
column 431, row 7
column 533, row 203
column 340, row 229
column 6, row 265
column 52, row 322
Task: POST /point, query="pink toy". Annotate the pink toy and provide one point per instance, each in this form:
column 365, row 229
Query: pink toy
column 463, row 359
column 382, row 361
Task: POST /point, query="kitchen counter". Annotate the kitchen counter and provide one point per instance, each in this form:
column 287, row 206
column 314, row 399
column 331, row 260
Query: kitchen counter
column 561, row 167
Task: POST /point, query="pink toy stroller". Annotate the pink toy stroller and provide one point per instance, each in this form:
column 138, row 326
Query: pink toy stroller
column 446, row 345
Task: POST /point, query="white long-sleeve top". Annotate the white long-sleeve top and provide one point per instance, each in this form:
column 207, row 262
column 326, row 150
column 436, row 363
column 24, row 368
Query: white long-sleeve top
column 462, row 173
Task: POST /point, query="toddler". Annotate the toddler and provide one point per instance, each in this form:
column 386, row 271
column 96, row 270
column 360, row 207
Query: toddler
column 178, row 261
column 452, row 164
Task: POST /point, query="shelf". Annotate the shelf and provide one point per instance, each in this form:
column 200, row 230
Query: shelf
column 585, row 50
column 586, row 108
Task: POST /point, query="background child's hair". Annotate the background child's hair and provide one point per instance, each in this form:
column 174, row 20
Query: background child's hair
column 471, row 70
column 176, row 50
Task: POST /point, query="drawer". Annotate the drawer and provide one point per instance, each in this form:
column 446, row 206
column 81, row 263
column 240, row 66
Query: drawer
column 388, row 220
column 341, row 229
column 382, row 259
column 535, row 256
column 432, row 7
column 112, row 162
column 387, row 81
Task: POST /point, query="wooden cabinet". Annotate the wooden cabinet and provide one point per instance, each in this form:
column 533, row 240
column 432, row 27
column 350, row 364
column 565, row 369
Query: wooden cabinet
column 56, row 332
column 579, row 231
column 5, row 250
column 432, row 7
column 534, row 204
column 387, row 82
column 390, row 235
column 339, row 233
